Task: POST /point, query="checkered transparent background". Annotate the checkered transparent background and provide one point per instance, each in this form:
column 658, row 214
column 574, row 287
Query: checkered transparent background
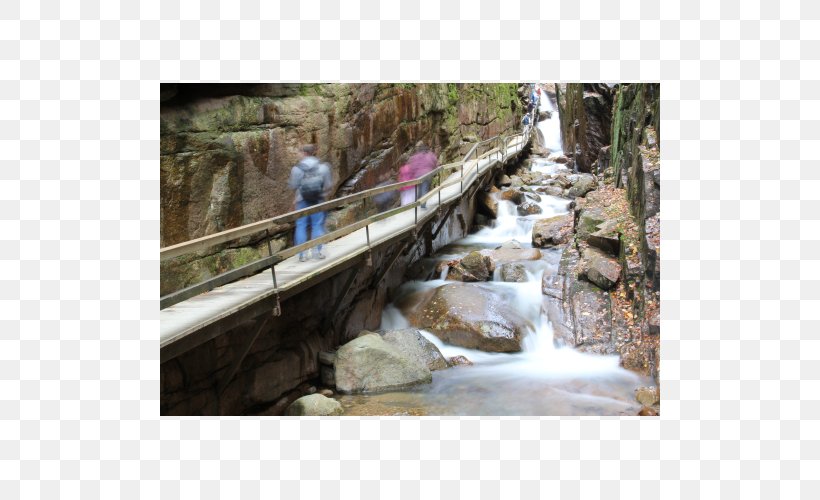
column 79, row 234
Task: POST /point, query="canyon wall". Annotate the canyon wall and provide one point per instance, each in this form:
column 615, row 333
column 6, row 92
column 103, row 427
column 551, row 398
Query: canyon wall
column 226, row 151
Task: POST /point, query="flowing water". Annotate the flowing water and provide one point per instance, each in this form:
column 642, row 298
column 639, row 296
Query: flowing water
column 539, row 380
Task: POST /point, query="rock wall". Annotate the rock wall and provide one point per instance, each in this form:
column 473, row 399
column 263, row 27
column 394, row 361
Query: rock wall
column 226, row 150
column 616, row 233
column 586, row 121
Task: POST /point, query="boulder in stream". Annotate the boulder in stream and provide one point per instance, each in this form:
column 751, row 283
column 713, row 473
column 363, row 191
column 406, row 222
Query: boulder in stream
column 472, row 316
column 557, row 157
column 552, row 231
column 459, row 361
column 512, row 272
column 411, row 342
column 370, row 364
column 529, row 208
column 551, row 190
column 475, row 266
column 503, row 255
column 513, row 195
column 314, row 405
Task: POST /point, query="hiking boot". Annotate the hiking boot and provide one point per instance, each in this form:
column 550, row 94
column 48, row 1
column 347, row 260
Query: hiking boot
column 302, row 257
column 319, row 255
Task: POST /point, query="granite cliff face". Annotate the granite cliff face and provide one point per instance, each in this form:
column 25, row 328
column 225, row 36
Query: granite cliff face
column 226, row 150
column 586, row 121
column 616, row 228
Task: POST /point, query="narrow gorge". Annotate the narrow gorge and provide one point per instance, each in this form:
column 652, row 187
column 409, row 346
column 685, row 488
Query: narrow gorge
column 538, row 294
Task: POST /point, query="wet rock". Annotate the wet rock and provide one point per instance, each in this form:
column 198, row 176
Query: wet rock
column 471, row 316
column 532, row 196
column 513, row 273
column 582, row 186
column 532, row 178
column 528, row 208
column 606, row 238
column 510, row 245
column 544, row 115
column 503, row 255
column 599, row 268
column 562, row 180
column 516, row 181
column 314, row 405
column 479, row 265
column 412, row 343
column 558, row 157
column 504, row 180
column 551, row 190
column 326, row 392
column 459, row 361
column 553, row 231
column 369, row 364
column 513, row 195
column 475, row 266
column 487, row 204
column 647, row 412
column 647, row 396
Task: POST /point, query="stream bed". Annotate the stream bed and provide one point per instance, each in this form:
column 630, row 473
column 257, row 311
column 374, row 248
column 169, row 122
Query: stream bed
column 541, row 379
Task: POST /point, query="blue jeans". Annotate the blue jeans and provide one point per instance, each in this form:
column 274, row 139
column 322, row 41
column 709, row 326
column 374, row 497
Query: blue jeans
column 317, row 226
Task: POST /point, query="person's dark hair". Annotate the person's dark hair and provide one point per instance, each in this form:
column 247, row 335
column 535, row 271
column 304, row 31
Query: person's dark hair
column 309, row 149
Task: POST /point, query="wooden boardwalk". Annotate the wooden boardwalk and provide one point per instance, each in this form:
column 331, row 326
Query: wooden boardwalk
column 203, row 317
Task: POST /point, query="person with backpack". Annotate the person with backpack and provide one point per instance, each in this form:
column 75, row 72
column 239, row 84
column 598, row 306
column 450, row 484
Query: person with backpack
column 311, row 180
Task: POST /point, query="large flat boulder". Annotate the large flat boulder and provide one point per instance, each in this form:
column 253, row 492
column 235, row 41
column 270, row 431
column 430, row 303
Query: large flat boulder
column 411, row 342
column 503, row 255
column 314, row 405
column 370, row 364
column 471, row 316
column 552, row 231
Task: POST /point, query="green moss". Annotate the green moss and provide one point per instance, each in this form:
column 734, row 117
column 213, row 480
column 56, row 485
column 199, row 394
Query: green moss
column 452, row 93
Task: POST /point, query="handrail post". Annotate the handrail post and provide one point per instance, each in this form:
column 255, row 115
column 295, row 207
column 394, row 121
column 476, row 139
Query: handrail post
column 270, row 254
column 439, row 190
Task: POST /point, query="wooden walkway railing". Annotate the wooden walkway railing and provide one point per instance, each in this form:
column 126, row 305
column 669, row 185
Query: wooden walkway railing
column 495, row 145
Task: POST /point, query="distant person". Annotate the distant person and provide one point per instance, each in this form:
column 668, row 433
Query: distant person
column 386, row 200
column 525, row 121
column 421, row 164
column 407, row 192
column 311, row 181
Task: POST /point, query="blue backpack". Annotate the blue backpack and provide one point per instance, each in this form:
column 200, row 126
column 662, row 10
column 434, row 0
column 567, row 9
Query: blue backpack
column 312, row 186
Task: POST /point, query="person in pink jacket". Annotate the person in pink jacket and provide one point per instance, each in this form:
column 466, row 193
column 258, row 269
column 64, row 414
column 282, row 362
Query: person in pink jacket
column 407, row 192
